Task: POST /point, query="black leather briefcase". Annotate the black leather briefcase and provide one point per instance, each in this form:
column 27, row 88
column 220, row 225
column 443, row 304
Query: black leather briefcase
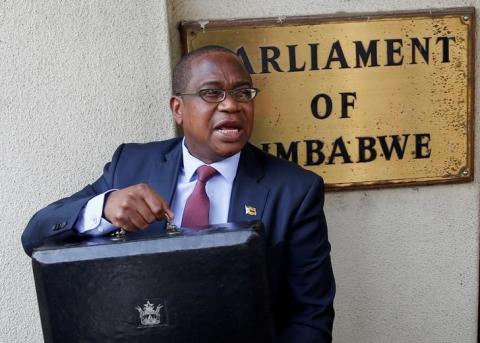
column 191, row 287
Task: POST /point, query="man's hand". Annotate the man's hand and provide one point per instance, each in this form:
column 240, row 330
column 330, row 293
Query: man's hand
column 135, row 207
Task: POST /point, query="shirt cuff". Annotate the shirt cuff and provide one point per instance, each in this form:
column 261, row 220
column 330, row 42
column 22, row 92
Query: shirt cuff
column 90, row 221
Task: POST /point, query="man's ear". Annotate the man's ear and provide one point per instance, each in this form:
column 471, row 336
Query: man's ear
column 176, row 105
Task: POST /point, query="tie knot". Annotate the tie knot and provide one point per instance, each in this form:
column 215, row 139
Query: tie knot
column 205, row 173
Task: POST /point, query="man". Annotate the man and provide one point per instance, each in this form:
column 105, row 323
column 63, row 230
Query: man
column 145, row 184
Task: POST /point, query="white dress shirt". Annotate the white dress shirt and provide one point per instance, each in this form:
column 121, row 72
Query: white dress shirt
column 219, row 189
column 90, row 221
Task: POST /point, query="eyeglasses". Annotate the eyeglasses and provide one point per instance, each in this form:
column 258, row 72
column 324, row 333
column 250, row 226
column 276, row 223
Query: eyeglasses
column 218, row 95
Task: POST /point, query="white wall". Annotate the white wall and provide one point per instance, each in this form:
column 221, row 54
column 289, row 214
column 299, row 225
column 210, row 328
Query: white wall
column 79, row 78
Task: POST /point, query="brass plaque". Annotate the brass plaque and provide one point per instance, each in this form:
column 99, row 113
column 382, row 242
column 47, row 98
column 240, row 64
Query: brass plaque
column 366, row 100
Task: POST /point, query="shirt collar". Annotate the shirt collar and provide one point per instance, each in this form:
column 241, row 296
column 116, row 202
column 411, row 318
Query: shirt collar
column 226, row 167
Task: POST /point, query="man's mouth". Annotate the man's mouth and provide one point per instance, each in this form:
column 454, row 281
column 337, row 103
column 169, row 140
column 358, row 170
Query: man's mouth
column 231, row 131
column 228, row 130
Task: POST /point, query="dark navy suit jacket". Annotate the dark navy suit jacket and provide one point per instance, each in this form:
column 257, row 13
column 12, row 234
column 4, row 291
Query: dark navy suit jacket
column 288, row 200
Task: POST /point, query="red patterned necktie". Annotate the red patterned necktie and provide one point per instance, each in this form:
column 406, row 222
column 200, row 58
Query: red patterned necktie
column 197, row 207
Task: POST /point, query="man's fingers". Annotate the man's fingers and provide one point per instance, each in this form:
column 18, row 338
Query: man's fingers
column 162, row 211
column 144, row 210
column 136, row 207
column 169, row 215
column 138, row 221
column 158, row 205
column 125, row 223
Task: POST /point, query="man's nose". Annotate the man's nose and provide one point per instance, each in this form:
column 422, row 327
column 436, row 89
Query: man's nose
column 229, row 104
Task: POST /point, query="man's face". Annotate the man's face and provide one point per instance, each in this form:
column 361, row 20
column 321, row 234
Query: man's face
column 214, row 131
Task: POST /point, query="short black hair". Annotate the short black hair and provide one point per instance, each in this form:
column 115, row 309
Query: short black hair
column 181, row 72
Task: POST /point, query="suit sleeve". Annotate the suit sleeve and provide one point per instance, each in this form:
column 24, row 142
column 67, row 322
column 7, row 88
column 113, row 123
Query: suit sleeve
column 58, row 219
column 310, row 274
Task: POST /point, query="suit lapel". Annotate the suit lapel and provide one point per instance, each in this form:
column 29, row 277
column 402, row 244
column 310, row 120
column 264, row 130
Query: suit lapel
column 248, row 195
column 164, row 175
